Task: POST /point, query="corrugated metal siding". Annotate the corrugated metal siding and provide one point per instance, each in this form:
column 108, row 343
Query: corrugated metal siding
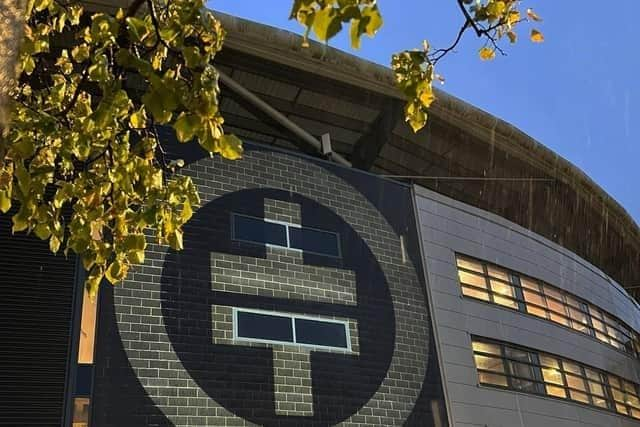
column 36, row 293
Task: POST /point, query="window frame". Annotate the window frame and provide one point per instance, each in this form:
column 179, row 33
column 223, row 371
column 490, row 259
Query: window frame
column 614, row 328
column 292, row 317
column 287, row 226
column 604, row 380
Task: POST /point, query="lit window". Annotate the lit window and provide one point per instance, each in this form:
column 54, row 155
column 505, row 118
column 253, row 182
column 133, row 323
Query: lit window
column 517, row 368
column 80, row 412
column 497, row 285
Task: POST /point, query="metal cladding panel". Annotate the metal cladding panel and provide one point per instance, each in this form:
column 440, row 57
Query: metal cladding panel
column 36, row 295
column 449, row 227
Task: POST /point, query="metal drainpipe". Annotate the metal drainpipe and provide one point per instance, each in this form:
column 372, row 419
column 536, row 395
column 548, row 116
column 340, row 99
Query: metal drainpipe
column 278, row 117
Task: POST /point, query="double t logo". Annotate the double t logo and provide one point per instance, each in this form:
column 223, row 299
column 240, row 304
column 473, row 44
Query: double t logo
column 267, row 383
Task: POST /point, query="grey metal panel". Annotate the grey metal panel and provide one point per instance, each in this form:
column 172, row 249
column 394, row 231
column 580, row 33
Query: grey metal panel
column 447, row 227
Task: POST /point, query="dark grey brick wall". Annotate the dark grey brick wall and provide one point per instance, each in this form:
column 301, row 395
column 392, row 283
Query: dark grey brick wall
column 167, row 354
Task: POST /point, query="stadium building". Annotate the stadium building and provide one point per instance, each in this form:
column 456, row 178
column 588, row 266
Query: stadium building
column 345, row 271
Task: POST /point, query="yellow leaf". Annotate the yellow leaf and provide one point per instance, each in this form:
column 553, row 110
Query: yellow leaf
column 427, row 97
column 175, row 240
column 230, row 147
column 513, row 37
column 536, row 36
column 5, row 202
column 54, row 244
column 136, row 257
column 116, row 272
column 187, row 212
column 138, row 119
column 487, row 54
column 533, row 16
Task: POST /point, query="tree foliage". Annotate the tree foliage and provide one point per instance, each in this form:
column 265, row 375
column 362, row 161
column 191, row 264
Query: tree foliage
column 82, row 139
column 489, row 20
column 81, row 162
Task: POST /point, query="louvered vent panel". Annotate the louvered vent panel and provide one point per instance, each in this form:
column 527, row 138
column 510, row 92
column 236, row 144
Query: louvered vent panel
column 36, row 293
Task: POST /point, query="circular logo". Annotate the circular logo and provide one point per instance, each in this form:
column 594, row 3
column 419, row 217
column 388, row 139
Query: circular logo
column 216, row 272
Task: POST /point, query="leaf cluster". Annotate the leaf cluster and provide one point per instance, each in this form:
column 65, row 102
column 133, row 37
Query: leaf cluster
column 82, row 161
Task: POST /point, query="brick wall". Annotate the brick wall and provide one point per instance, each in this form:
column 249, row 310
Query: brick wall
column 167, row 353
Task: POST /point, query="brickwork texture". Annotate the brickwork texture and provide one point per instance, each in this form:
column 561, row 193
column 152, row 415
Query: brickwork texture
column 167, row 352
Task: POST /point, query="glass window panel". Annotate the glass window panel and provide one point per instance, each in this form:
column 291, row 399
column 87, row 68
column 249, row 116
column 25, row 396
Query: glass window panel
column 598, row 325
column 628, row 387
column 534, row 297
column 317, row 332
column 469, row 264
column 595, row 312
column 517, row 354
column 556, row 306
column 506, row 301
column 553, row 376
column 621, row 409
column 576, row 382
column 549, row 361
column 537, row 311
column 635, row 413
column 618, row 396
column 593, row 375
column 529, row 284
column 475, row 293
column 600, row 401
column 578, row 315
column 498, row 273
column 87, row 328
column 613, row 380
column 494, row 379
column 559, row 318
column 472, row 279
column 524, row 385
column 264, row 326
column 316, row 241
column 81, row 412
column 502, row 288
column 571, row 367
column 548, row 290
column 596, row 388
column 484, row 347
column 580, row 397
column 556, row 391
column 259, row 231
column 580, row 327
column 489, row 363
column 521, row 370
column 633, row 401
column 571, row 301
column 602, row 337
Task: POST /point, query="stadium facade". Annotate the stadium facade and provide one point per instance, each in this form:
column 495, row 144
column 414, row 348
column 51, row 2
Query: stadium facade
column 399, row 291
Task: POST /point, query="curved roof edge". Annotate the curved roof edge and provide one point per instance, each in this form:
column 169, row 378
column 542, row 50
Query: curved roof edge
column 285, row 47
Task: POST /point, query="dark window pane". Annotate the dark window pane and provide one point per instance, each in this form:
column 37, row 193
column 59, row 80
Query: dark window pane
column 259, row 231
column 320, row 242
column 264, row 326
column 84, row 377
column 321, row 333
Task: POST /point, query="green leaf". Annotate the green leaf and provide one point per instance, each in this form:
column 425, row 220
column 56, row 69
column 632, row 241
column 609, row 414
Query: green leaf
column 135, row 242
column 186, row 126
column 42, row 231
column 230, row 147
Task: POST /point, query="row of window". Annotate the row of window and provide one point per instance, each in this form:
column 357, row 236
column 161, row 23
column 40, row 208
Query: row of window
column 84, row 368
column 263, row 231
column 488, row 282
column 273, row 327
column 525, row 370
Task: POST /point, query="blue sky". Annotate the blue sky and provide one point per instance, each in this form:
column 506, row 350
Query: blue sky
column 577, row 92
